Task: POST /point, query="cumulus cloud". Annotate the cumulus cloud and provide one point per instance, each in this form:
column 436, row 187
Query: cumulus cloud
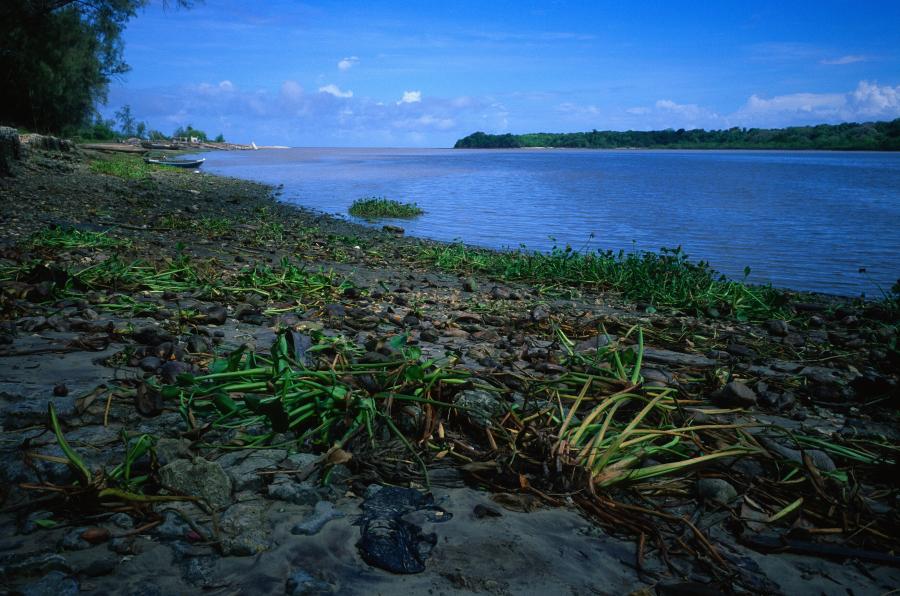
column 410, row 97
column 850, row 59
column 347, row 63
column 291, row 90
column 332, row 89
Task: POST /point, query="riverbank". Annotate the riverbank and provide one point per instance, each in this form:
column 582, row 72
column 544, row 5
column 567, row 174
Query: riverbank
column 718, row 440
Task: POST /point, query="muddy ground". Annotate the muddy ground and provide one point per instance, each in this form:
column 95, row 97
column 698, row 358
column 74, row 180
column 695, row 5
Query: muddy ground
column 264, row 522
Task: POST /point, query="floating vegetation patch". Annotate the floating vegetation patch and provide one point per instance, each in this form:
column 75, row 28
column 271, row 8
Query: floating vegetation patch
column 380, row 207
column 665, row 279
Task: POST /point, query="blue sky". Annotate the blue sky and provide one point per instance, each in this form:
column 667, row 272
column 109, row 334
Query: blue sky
column 424, row 74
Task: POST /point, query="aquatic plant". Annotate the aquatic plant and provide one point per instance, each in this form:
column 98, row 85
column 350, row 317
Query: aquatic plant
column 665, row 279
column 380, row 207
column 68, row 238
column 124, row 166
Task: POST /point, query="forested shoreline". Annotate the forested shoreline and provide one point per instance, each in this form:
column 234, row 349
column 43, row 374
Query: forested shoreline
column 851, row 136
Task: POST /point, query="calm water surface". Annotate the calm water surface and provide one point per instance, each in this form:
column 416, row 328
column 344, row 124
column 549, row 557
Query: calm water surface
column 801, row 220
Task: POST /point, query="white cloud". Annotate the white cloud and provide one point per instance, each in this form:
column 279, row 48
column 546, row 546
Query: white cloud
column 850, row 59
column 867, row 101
column 291, row 90
column 226, row 85
column 348, row 63
column 334, row 90
column 410, row 97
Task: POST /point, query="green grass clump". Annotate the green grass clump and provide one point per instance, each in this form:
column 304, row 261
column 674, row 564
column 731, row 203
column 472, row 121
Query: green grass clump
column 665, row 279
column 68, row 238
column 123, row 166
column 378, row 207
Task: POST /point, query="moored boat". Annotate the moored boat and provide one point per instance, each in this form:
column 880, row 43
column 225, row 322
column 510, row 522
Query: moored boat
column 176, row 163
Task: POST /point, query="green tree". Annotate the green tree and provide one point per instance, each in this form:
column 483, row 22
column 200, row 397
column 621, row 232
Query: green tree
column 127, row 123
column 57, row 58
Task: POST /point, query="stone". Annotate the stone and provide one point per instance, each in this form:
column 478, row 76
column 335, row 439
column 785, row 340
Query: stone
column 480, row 406
column 198, row 478
column 149, row 363
column 335, row 310
column 243, row 467
column 10, row 150
column 539, row 314
column 716, row 490
column 197, row 345
column 313, row 523
column 735, row 395
column 245, row 530
column 55, row 583
column 216, row 315
column 74, row 541
column 32, row 564
column 168, row 450
column 592, row 344
column 778, row 328
column 171, row 369
column 469, row 285
column 393, row 229
column 301, row 583
column 500, row 293
column 299, row 493
column 671, row 358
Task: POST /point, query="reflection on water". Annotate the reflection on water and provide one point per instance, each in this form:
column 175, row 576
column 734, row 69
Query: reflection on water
column 802, row 220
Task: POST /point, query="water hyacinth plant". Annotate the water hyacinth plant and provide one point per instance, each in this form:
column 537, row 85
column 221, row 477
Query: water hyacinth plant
column 380, row 207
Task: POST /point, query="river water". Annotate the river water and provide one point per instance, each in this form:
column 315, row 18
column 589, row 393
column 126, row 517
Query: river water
column 799, row 220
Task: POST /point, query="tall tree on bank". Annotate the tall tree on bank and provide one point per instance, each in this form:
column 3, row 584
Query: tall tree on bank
column 57, row 58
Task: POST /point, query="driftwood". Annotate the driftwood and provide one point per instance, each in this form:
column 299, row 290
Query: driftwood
column 113, row 147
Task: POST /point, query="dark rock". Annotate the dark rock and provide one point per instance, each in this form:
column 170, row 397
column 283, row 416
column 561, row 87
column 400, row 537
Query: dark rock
column 778, row 327
column 741, row 351
column 716, row 490
column 480, row 406
column 500, row 293
column 539, row 314
column 301, row 583
column 150, row 363
column 299, row 493
column 171, row 369
column 61, row 390
column 197, row 345
column 99, row 567
column 243, row 467
column 32, row 564
column 482, row 511
column 10, row 150
column 151, row 336
column 55, row 583
column 735, row 394
column 429, row 335
column 671, row 358
column 200, row 478
column 469, row 285
column 393, row 229
column 245, row 530
column 73, row 540
column 388, row 539
column 335, row 310
column 216, row 315
column 314, row 522
column 594, row 343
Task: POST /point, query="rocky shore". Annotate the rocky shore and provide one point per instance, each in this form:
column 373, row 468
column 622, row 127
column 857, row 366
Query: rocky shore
column 452, row 468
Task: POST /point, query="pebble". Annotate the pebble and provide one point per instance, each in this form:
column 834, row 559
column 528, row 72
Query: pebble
column 716, row 490
column 735, row 394
column 313, row 523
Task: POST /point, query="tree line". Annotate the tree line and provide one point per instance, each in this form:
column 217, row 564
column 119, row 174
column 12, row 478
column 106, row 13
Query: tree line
column 851, row 136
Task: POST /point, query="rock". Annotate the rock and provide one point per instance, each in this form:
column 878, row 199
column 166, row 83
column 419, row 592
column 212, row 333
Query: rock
column 60, row 390
column 171, row 369
column 99, row 567
column 173, row 527
column 32, row 564
column 429, row 335
column 149, row 363
column 480, row 406
column 10, row 150
column 592, row 344
column 393, row 229
column 741, row 351
column 540, row 314
column 716, row 490
column 654, row 377
column 735, row 395
column 73, row 540
column 299, row 493
column 671, row 358
column 245, row 530
column 197, row 345
column 198, row 478
column 820, row 374
column 216, row 315
column 500, row 293
column 819, row 458
column 243, row 467
column 301, row 583
column 335, row 310
column 778, row 328
column 55, row 583
column 313, row 523
column 151, row 336
column 469, row 285
column 168, row 450
column 388, row 539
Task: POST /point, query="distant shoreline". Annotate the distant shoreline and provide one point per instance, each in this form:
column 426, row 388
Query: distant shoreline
column 867, row 136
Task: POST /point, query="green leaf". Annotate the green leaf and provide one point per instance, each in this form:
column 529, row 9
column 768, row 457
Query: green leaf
column 415, row 373
column 74, row 459
column 46, row 523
